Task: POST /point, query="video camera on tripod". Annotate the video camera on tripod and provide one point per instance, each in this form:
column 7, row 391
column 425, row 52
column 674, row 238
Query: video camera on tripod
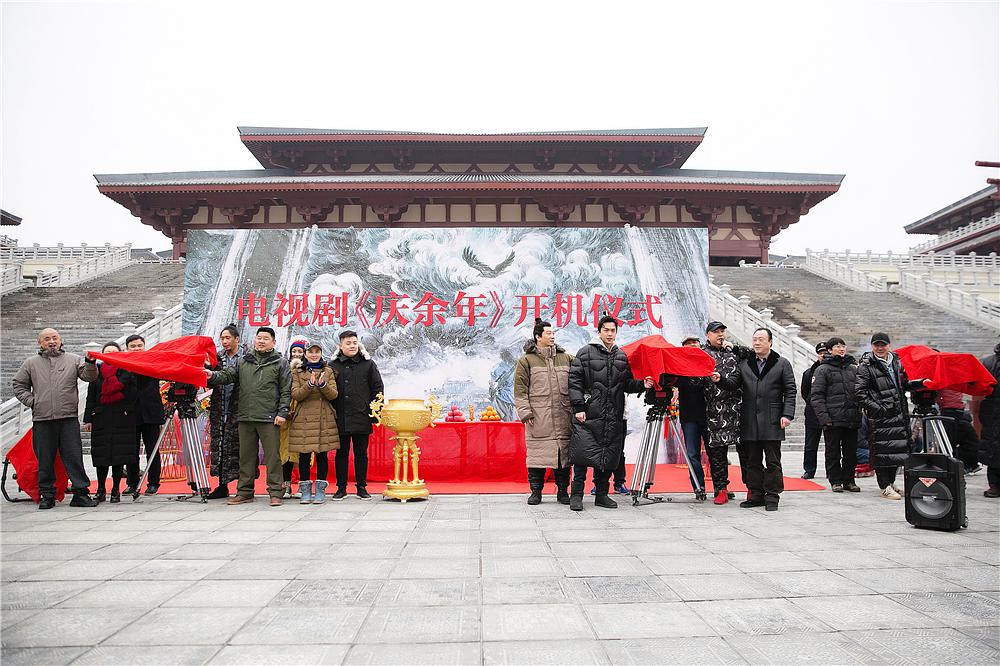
column 183, row 399
column 927, row 419
column 659, row 401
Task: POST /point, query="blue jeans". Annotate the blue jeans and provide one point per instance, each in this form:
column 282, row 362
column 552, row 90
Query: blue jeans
column 694, row 434
column 862, row 453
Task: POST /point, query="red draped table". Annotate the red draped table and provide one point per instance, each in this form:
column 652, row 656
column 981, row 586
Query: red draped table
column 487, row 451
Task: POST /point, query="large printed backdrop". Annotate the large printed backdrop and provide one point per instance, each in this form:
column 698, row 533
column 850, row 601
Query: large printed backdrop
column 448, row 310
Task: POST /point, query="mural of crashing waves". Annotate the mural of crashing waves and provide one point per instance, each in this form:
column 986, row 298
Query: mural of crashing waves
column 463, row 365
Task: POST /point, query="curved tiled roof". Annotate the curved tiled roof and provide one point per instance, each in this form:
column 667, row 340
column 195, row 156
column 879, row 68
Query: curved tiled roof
column 288, row 177
column 361, row 133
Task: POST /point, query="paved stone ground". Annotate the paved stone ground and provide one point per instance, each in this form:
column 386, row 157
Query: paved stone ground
column 487, row 579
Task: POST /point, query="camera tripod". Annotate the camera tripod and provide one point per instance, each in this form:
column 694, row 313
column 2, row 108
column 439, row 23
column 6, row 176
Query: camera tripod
column 194, row 459
column 931, row 428
column 645, row 464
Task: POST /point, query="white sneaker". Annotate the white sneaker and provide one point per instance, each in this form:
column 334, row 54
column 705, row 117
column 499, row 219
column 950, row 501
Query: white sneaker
column 896, row 488
column 890, row 493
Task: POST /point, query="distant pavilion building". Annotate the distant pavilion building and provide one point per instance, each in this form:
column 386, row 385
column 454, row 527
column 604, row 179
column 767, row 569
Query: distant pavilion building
column 969, row 225
column 335, row 178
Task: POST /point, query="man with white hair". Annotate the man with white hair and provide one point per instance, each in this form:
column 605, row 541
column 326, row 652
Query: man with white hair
column 47, row 385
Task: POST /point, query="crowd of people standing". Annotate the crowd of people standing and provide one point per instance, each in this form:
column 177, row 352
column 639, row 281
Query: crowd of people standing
column 295, row 409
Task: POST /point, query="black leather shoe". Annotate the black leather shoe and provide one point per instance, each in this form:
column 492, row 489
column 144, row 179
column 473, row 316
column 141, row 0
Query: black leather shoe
column 808, row 475
column 749, row 504
column 46, row 503
column 576, row 502
column 535, row 497
column 562, row 496
column 83, row 500
column 116, row 497
column 129, row 490
column 605, row 502
column 151, row 490
column 100, row 495
column 772, row 506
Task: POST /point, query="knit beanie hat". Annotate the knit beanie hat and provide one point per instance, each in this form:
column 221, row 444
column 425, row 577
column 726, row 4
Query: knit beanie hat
column 299, row 341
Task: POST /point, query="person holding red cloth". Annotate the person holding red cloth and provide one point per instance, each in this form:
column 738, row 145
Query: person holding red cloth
column 110, row 417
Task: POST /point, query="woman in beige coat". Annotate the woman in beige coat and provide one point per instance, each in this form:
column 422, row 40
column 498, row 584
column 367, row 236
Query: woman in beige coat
column 541, row 395
column 313, row 430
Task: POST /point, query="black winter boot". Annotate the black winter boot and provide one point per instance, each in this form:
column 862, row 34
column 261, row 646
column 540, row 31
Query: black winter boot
column 576, row 502
column 562, row 484
column 536, row 481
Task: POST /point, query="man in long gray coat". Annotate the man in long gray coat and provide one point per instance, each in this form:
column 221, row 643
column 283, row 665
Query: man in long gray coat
column 768, row 407
column 541, row 396
column 47, row 385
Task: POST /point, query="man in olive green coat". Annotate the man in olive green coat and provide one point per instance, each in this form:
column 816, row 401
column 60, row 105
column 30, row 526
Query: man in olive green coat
column 541, row 396
column 265, row 393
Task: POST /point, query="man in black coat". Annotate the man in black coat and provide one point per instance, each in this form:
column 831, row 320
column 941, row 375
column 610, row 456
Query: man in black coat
column 880, row 388
column 599, row 378
column 358, row 382
column 814, row 429
column 836, row 407
column 149, row 418
column 767, row 409
column 989, row 418
column 694, row 421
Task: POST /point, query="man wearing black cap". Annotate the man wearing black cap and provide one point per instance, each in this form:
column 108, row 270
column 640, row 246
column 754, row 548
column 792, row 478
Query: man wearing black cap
column 814, row 429
column 722, row 405
column 880, row 390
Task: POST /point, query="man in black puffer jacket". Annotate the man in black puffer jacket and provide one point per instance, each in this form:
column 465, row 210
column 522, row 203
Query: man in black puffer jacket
column 880, row 390
column 832, row 399
column 599, row 378
column 814, row 429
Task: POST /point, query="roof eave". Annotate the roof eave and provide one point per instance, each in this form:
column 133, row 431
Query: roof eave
column 826, row 188
column 972, row 200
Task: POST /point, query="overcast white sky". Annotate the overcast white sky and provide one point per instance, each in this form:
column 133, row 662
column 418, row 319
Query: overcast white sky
column 902, row 97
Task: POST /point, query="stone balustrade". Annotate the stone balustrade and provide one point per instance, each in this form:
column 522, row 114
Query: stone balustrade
column 976, row 228
column 12, row 278
column 947, row 297
column 88, row 269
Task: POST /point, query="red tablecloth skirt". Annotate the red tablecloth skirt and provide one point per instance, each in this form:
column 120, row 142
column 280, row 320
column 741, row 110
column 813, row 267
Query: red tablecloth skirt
column 462, row 452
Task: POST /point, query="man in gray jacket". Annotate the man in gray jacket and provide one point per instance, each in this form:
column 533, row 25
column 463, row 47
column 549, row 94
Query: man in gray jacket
column 768, row 407
column 47, row 385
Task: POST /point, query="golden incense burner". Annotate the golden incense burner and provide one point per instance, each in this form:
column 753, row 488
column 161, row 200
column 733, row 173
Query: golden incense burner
column 406, row 418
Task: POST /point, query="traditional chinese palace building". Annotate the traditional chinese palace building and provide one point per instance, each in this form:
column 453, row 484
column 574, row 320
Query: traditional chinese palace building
column 357, row 178
column 969, row 225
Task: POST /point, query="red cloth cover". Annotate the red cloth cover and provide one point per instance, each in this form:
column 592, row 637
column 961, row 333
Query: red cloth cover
column 652, row 356
column 22, row 459
column 179, row 360
column 946, row 370
column 483, row 451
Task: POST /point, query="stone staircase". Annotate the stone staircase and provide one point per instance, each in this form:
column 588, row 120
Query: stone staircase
column 824, row 308
column 94, row 311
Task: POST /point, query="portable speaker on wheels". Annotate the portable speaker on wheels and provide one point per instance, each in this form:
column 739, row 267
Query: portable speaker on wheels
column 935, row 491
